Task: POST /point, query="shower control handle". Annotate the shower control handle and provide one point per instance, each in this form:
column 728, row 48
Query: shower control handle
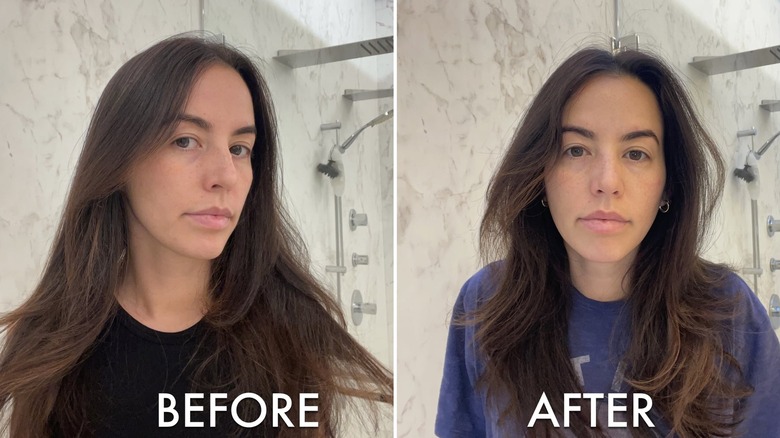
column 359, row 259
column 359, row 308
column 774, row 264
column 772, row 226
column 357, row 219
column 365, row 308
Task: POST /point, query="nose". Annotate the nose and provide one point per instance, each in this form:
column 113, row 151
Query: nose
column 219, row 169
column 606, row 176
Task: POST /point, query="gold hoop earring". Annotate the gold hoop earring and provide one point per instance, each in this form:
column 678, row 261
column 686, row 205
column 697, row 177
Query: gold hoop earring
column 544, row 202
column 664, row 207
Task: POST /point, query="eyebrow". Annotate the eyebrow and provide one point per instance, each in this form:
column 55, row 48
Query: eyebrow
column 626, row 137
column 206, row 125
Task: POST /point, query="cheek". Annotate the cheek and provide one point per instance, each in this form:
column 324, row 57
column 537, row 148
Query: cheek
column 558, row 183
column 155, row 186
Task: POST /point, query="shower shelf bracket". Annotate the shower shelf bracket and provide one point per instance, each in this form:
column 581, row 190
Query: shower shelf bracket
column 343, row 52
column 355, row 95
column 770, row 105
column 714, row 65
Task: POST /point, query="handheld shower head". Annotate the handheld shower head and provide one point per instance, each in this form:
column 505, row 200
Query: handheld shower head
column 330, row 169
column 766, row 145
column 377, row 120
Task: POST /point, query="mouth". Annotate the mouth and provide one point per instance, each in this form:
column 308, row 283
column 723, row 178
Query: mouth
column 212, row 218
column 604, row 222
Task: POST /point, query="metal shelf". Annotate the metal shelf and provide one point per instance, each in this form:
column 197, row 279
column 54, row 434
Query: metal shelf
column 343, row 52
column 713, row 65
column 355, row 95
column 770, row 105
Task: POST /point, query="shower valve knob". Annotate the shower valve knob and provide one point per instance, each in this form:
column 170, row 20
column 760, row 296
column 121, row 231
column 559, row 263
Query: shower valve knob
column 360, row 308
column 774, row 264
column 357, row 219
column 358, row 259
column 772, row 226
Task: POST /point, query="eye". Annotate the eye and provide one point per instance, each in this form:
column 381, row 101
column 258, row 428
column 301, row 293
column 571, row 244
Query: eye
column 240, row 150
column 575, row 151
column 185, row 142
column 636, row 155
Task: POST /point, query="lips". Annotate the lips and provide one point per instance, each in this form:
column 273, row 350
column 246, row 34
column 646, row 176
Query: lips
column 604, row 222
column 214, row 218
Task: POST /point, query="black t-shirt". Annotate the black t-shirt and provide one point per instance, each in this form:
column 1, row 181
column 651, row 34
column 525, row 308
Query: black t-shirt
column 127, row 371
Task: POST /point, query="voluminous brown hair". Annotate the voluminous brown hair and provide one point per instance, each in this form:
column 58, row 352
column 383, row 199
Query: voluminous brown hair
column 678, row 347
column 271, row 327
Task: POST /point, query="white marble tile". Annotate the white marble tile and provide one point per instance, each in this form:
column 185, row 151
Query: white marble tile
column 58, row 57
column 466, row 73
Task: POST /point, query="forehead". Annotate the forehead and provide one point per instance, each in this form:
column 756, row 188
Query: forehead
column 220, row 92
column 612, row 103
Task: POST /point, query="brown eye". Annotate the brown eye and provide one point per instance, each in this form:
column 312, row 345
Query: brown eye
column 240, row 150
column 575, row 151
column 185, row 142
column 636, row 155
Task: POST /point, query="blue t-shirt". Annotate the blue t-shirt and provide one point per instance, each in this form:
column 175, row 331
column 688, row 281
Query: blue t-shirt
column 463, row 410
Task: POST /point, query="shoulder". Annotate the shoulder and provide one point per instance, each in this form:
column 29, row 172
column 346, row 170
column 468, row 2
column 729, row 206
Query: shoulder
column 747, row 307
column 479, row 287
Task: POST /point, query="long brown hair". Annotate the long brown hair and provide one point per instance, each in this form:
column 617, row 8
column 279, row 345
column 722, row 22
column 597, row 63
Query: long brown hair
column 678, row 350
column 271, row 327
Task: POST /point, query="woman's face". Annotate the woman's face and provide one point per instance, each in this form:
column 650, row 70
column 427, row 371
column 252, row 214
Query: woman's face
column 607, row 184
column 186, row 198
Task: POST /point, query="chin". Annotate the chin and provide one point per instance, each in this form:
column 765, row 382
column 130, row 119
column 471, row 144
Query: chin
column 603, row 254
column 206, row 252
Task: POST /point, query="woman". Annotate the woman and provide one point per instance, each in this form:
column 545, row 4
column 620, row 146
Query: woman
column 176, row 270
column 598, row 211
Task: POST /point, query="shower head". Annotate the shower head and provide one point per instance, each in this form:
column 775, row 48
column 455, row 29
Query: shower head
column 766, row 145
column 377, row 120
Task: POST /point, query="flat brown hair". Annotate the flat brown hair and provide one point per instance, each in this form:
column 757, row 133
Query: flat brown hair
column 271, row 328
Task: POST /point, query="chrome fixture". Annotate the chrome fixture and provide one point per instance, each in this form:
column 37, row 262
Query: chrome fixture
column 357, row 219
column 377, row 120
column 343, row 52
column 756, row 270
column 337, row 181
column 770, row 105
column 358, row 259
column 339, row 267
column 772, row 225
column 774, row 264
column 359, row 308
column 328, row 169
column 628, row 42
column 766, row 145
column 774, row 311
column 355, row 95
column 713, row 65
column 747, row 132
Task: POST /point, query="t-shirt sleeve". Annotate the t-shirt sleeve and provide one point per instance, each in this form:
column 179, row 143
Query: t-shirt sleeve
column 461, row 408
column 758, row 351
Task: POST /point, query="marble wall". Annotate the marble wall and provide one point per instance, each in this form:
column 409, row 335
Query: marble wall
column 307, row 97
column 466, row 73
column 58, row 56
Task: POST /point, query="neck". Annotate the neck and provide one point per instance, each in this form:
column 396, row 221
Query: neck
column 600, row 281
column 164, row 291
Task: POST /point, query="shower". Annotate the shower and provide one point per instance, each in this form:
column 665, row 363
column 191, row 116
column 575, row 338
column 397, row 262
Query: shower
column 331, row 169
column 748, row 173
column 334, row 169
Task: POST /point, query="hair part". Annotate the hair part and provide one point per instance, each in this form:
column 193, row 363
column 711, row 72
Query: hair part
column 272, row 327
column 677, row 351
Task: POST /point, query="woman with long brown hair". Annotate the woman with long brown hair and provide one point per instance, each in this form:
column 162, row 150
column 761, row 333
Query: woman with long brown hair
column 175, row 270
column 597, row 214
